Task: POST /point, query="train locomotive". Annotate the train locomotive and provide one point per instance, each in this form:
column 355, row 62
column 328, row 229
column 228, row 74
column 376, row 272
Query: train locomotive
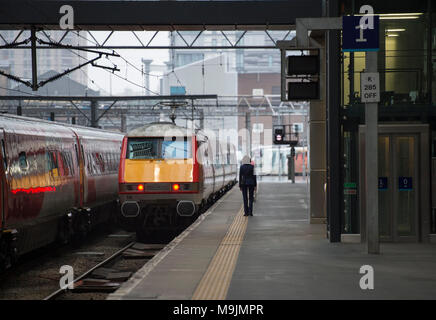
column 56, row 180
column 168, row 175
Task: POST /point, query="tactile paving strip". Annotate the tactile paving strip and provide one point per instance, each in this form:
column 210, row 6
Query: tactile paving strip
column 216, row 281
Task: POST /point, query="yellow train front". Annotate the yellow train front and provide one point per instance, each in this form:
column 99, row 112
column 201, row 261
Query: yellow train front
column 168, row 175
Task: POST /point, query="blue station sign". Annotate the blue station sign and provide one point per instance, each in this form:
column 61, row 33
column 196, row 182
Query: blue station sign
column 360, row 37
column 405, row 183
column 383, row 183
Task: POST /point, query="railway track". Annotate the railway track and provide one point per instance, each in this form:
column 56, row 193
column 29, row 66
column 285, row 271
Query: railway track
column 58, row 292
column 108, row 275
column 38, row 275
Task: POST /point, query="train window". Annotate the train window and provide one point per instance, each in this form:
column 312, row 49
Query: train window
column 113, row 161
column 77, row 153
column 51, row 162
column 22, row 160
column 65, row 164
column 61, row 164
column 143, row 149
column 69, row 171
column 83, row 153
column 5, row 161
column 100, row 162
column 88, row 163
column 176, row 149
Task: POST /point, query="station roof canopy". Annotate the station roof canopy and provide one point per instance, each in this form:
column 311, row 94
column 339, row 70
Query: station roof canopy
column 159, row 15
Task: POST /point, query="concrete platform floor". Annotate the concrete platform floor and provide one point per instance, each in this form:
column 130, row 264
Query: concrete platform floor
column 284, row 257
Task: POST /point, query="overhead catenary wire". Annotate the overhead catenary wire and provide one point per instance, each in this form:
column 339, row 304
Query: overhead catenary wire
column 125, row 79
column 121, row 57
column 17, row 90
column 46, row 15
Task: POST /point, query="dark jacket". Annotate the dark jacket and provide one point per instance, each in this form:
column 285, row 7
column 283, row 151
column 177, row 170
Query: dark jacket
column 247, row 176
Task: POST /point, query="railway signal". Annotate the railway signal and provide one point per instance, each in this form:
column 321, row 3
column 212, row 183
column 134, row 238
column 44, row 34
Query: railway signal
column 279, row 134
column 287, row 136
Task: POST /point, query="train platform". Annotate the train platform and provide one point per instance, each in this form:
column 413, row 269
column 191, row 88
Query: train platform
column 276, row 254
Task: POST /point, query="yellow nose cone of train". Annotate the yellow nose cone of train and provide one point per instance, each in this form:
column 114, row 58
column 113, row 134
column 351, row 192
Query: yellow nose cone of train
column 158, row 170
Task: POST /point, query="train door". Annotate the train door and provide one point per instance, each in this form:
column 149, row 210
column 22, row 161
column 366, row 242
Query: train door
column 3, row 168
column 81, row 162
column 403, row 183
column 209, row 156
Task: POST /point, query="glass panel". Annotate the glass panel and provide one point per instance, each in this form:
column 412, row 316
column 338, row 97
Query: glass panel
column 176, row 150
column 351, row 218
column 142, row 149
column 384, row 194
column 22, row 160
column 158, row 148
column 405, row 158
column 405, row 56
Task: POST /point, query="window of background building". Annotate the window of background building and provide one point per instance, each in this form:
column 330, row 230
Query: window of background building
column 275, row 90
column 187, row 58
column 239, row 60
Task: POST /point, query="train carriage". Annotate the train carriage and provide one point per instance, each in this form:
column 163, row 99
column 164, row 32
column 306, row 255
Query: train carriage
column 46, row 193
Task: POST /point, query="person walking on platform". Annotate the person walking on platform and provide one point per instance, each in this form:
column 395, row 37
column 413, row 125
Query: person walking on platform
column 247, row 184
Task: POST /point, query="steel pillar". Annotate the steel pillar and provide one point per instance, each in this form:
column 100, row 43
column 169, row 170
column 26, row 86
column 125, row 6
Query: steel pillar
column 94, row 110
column 371, row 165
column 34, row 59
column 334, row 138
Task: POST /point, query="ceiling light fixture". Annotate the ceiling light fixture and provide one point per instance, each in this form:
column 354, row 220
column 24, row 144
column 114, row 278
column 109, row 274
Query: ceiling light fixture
column 395, row 30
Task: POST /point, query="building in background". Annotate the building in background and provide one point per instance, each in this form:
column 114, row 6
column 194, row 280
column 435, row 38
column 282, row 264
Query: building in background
column 63, row 86
column 206, row 76
column 58, row 60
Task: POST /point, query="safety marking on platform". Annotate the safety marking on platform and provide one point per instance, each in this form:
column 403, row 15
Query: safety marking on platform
column 216, row 281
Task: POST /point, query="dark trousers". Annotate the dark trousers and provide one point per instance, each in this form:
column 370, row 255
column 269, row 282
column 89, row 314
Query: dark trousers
column 248, row 195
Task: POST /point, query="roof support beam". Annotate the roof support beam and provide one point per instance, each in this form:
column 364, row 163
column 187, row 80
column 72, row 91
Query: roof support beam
column 158, row 15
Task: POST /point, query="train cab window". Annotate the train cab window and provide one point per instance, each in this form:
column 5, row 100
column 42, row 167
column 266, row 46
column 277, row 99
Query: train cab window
column 175, row 149
column 159, row 148
column 143, row 149
column 22, row 160
column 5, row 161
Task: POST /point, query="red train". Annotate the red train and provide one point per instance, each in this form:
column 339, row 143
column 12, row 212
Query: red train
column 167, row 176
column 56, row 180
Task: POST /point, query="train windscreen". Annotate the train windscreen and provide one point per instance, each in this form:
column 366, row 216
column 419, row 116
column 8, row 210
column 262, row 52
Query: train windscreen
column 158, row 148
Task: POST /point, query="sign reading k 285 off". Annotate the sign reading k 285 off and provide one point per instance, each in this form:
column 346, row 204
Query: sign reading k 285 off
column 369, row 87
